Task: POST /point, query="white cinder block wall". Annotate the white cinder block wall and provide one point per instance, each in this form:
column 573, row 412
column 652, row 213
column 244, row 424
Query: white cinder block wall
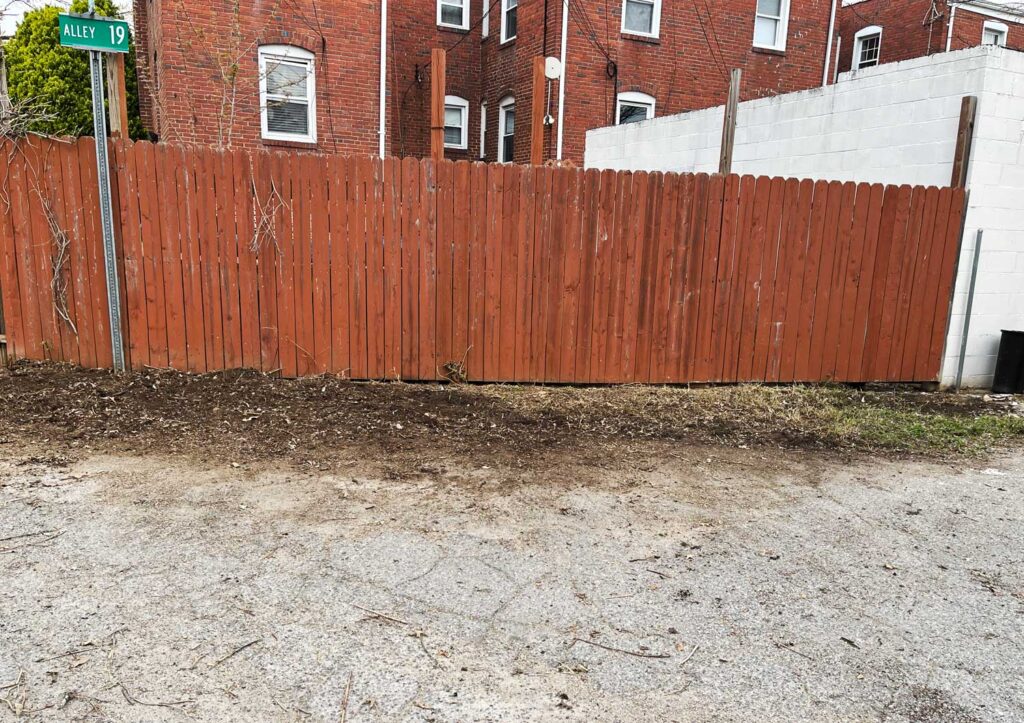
column 894, row 124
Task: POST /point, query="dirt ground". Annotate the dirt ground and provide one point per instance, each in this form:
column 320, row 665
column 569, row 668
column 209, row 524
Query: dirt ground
column 380, row 552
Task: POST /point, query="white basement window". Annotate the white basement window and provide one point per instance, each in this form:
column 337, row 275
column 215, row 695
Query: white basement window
column 287, row 93
column 634, row 107
column 453, row 14
column 509, row 19
column 771, row 24
column 506, row 130
column 994, row 33
column 641, row 17
column 867, row 47
column 456, row 122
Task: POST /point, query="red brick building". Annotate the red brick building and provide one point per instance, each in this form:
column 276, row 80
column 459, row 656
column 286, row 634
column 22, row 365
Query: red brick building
column 308, row 73
column 872, row 32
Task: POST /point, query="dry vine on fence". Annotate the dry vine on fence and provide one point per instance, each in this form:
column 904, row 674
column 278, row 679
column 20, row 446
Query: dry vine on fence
column 264, row 218
column 58, row 265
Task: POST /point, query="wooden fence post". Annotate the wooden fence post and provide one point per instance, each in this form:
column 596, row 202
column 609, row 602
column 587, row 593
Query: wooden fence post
column 438, row 69
column 729, row 124
column 964, row 141
column 117, row 95
column 538, row 111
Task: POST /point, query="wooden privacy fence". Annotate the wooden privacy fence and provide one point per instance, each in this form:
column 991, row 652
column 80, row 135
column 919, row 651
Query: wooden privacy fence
column 305, row 264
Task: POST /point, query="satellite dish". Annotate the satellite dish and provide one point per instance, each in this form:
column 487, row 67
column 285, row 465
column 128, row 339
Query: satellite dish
column 552, row 68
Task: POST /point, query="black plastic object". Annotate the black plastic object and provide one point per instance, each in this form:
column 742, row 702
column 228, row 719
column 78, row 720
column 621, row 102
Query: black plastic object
column 1010, row 364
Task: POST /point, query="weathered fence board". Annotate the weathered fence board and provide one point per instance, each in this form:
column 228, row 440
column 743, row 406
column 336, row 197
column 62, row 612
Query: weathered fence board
column 300, row 264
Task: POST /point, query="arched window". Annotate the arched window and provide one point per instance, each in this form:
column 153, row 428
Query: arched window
column 287, row 93
column 634, row 107
column 867, row 47
column 456, row 122
column 506, row 130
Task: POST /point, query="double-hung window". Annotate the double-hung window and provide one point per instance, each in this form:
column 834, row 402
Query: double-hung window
column 456, row 122
column 771, row 24
column 453, row 14
column 867, row 47
column 509, row 16
column 641, row 17
column 506, row 130
column 287, row 93
column 634, row 107
column 994, row 33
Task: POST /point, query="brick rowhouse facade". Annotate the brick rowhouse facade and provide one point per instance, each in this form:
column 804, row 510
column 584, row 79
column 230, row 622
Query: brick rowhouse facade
column 915, row 28
column 198, row 66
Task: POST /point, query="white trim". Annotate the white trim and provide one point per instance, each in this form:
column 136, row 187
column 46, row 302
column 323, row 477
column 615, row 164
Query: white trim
column 383, row 100
column 485, row 19
column 505, row 9
column 1000, row 29
column 503, row 107
column 565, row 72
column 292, row 56
column 483, row 129
column 634, row 98
column 858, row 42
column 463, row 4
column 462, row 105
column 781, row 30
column 829, row 42
column 655, row 19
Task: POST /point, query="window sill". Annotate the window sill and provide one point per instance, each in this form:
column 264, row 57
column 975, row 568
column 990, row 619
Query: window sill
column 507, row 43
column 768, row 51
column 453, row 29
column 276, row 143
column 650, row 39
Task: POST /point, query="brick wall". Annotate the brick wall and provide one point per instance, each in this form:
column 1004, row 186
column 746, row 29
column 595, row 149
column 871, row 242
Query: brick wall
column 915, row 28
column 199, row 62
column 204, row 80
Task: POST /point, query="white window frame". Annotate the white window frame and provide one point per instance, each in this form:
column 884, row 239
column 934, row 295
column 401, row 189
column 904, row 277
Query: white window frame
column 483, row 129
column 505, row 9
column 634, row 98
column 506, row 103
column 655, row 19
column 858, row 43
column 454, row 101
column 1002, row 30
column 782, row 36
column 294, row 56
column 464, row 25
column 485, row 19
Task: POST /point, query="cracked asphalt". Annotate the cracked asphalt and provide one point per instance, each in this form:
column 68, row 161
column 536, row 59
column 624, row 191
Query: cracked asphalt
column 692, row 585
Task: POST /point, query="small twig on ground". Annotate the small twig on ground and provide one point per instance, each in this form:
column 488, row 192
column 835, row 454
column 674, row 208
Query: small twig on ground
column 656, row 656
column 32, row 544
column 381, row 615
column 692, row 653
column 344, row 700
column 25, row 534
column 790, row 648
column 235, row 652
column 132, row 700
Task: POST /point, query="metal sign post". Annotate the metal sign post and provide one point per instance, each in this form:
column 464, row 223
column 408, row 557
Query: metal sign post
column 89, row 32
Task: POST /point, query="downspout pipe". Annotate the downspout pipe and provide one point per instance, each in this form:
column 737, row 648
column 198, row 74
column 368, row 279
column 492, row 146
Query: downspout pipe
column 949, row 30
column 562, row 80
column 382, row 130
column 828, row 47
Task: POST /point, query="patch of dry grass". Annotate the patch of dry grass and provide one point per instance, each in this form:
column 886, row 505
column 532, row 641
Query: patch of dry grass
column 900, row 420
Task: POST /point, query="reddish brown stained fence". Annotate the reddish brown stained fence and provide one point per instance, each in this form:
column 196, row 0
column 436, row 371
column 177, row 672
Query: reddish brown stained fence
column 394, row 269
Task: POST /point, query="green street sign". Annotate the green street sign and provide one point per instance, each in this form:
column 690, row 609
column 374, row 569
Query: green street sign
column 87, row 32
